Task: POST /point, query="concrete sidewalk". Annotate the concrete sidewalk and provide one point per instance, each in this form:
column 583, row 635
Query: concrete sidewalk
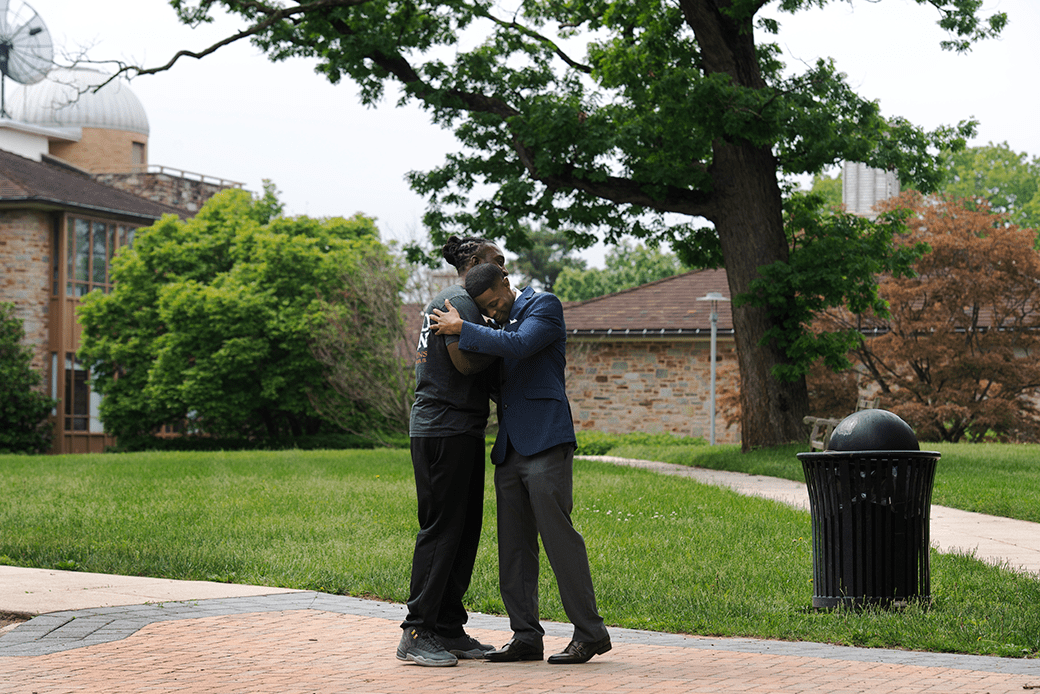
column 114, row 634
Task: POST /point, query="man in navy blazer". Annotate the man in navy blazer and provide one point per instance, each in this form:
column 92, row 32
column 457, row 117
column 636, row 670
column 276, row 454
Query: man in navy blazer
column 533, row 457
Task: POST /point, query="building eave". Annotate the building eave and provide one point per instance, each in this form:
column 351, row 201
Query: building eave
column 649, row 333
column 55, row 205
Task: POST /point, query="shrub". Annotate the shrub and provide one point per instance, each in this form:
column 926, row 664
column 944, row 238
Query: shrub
column 23, row 410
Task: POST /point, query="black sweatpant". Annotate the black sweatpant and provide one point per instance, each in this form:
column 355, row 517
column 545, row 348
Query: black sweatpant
column 449, row 485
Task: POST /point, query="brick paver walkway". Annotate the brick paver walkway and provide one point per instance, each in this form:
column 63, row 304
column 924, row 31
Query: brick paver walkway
column 311, row 642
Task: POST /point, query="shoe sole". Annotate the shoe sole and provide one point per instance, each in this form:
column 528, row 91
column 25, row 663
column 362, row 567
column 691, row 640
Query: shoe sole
column 475, row 654
column 522, row 659
column 425, row 662
column 601, row 651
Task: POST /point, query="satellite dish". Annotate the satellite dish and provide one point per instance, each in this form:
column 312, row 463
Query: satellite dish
column 26, row 53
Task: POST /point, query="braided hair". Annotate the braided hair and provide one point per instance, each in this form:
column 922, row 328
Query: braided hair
column 460, row 252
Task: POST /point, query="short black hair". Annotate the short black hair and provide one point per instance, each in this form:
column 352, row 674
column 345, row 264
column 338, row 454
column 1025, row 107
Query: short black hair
column 482, row 278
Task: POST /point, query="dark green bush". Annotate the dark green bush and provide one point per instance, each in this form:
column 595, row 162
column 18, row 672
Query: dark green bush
column 23, row 409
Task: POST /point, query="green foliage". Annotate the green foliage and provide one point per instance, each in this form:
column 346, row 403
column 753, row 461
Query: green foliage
column 835, row 260
column 1009, row 181
column 23, row 409
column 829, row 189
column 361, row 344
column 612, row 135
column 628, row 265
column 210, row 319
column 544, row 256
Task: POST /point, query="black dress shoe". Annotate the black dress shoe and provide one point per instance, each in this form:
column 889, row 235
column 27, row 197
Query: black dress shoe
column 580, row 651
column 514, row 651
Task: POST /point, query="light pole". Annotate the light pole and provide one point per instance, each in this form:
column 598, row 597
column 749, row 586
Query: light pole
column 714, row 298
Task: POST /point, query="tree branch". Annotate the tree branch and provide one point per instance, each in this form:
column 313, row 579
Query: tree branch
column 538, row 37
column 274, row 15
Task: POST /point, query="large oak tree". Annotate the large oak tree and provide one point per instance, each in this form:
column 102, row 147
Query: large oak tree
column 614, row 118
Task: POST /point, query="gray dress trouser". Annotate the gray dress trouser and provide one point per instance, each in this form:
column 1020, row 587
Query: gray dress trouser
column 535, row 498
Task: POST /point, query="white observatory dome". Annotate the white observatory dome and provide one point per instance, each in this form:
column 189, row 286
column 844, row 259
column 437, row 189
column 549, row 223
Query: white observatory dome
column 66, row 99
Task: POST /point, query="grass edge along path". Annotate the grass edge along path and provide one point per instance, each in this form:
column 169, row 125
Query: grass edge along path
column 667, row 554
column 994, row 479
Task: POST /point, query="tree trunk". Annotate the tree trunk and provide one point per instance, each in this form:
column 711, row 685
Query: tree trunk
column 747, row 211
column 750, row 227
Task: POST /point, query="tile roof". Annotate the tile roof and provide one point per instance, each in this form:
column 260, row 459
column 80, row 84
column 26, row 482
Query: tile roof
column 664, row 307
column 24, row 181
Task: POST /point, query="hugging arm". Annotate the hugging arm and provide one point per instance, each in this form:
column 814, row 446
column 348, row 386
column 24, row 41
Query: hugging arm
column 468, row 363
column 540, row 327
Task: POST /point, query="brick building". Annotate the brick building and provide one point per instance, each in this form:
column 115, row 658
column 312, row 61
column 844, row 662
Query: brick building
column 60, row 226
column 640, row 360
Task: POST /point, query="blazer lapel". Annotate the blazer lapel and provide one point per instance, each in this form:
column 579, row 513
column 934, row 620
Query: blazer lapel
column 518, row 307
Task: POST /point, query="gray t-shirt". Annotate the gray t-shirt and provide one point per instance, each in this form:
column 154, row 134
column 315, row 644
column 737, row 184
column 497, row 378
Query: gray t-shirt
column 447, row 403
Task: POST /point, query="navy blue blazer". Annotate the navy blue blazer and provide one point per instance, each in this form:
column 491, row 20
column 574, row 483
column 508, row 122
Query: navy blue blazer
column 534, row 414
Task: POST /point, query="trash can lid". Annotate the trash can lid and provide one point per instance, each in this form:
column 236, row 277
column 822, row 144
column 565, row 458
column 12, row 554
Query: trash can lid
column 873, row 430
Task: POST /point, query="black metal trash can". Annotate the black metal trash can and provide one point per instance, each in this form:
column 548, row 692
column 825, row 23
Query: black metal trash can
column 870, row 512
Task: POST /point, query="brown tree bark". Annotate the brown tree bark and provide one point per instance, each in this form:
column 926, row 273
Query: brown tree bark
column 749, row 222
column 746, row 208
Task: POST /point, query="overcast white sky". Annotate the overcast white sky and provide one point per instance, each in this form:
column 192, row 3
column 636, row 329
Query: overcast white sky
column 238, row 116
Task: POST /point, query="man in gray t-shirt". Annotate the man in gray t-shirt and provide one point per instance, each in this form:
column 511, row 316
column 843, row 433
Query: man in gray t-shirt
column 447, row 402
column 448, row 456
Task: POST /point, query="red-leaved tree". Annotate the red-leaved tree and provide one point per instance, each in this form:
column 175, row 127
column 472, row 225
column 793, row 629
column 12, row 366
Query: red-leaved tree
column 958, row 355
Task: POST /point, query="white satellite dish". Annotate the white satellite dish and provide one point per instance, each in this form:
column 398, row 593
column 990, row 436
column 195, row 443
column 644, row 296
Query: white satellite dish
column 26, row 53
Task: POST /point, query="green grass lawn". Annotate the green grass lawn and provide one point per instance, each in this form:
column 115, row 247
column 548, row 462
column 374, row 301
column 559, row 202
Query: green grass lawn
column 996, row 479
column 667, row 554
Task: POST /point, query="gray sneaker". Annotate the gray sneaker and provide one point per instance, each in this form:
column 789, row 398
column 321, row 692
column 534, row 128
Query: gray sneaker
column 422, row 648
column 465, row 646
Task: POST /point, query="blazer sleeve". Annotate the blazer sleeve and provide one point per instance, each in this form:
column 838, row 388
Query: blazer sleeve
column 540, row 326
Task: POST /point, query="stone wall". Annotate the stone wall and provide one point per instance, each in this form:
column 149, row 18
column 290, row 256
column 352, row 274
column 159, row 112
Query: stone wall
column 186, row 193
column 623, row 386
column 25, row 274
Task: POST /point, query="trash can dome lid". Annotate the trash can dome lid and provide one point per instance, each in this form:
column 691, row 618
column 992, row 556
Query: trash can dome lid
column 873, row 430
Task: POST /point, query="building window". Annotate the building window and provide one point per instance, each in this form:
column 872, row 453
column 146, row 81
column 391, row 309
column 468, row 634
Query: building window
column 77, row 395
column 91, row 246
column 56, row 258
column 137, row 158
column 82, row 405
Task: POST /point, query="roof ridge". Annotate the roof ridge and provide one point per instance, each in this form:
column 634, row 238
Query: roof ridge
column 641, row 287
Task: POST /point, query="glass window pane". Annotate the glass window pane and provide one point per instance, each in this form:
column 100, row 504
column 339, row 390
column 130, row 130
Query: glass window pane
column 81, row 398
column 112, row 245
column 70, row 256
column 95, row 409
column 82, row 251
column 68, row 386
column 100, row 264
